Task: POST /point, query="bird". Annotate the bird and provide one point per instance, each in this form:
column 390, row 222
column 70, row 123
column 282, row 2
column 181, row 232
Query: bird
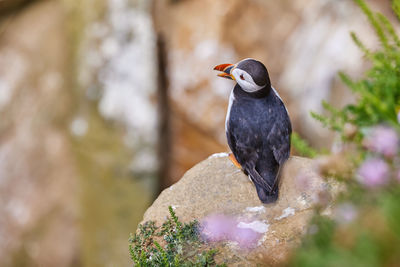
column 257, row 126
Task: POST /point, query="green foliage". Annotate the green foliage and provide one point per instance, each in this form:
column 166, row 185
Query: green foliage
column 371, row 237
column 302, row 147
column 396, row 7
column 378, row 94
column 182, row 245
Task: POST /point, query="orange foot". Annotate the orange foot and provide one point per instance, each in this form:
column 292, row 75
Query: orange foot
column 234, row 161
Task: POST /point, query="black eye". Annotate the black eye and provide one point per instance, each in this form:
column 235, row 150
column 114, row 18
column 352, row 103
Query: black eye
column 241, row 76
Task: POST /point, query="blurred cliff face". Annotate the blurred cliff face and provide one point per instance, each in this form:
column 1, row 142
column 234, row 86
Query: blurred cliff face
column 38, row 185
column 303, row 44
column 83, row 131
column 68, row 192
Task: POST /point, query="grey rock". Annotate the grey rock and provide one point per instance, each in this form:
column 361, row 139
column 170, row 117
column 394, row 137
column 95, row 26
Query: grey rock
column 216, row 186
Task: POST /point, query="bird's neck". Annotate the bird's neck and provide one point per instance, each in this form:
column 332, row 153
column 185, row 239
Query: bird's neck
column 263, row 92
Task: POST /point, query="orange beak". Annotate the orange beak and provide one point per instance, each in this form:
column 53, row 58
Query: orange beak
column 226, row 70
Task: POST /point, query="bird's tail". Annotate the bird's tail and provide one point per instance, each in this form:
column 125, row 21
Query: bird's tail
column 267, row 196
column 267, row 188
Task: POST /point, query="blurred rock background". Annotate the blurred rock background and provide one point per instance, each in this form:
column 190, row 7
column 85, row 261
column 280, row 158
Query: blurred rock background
column 105, row 102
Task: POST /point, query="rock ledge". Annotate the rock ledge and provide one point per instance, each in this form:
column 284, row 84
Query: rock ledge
column 216, row 186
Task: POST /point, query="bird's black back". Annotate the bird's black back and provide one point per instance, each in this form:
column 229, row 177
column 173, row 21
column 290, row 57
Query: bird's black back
column 258, row 133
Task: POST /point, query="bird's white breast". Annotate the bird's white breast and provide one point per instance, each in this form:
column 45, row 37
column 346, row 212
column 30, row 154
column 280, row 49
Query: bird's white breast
column 228, row 113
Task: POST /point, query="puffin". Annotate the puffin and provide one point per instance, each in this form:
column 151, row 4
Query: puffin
column 257, row 126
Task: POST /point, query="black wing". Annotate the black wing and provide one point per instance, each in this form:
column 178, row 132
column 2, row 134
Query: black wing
column 279, row 139
column 247, row 145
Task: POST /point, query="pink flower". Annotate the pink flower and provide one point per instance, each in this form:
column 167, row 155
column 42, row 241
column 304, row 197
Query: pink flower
column 219, row 227
column 246, row 238
column 383, row 140
column 345, row 213
column 373, row 172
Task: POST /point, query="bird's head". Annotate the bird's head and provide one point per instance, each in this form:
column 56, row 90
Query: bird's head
column 251, row 75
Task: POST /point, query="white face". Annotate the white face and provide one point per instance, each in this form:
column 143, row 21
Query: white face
column 245, row 81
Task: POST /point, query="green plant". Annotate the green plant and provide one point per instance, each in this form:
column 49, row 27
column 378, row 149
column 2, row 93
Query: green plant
column 302, row 147
column 378, row 93
column 173, row 244
column 364, row 229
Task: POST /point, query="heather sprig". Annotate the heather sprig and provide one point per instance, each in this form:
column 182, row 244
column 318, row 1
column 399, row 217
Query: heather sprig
column 173, row 244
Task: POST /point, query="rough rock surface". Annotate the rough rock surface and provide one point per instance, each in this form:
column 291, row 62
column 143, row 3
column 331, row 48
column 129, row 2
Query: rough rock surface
column 216, row 186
